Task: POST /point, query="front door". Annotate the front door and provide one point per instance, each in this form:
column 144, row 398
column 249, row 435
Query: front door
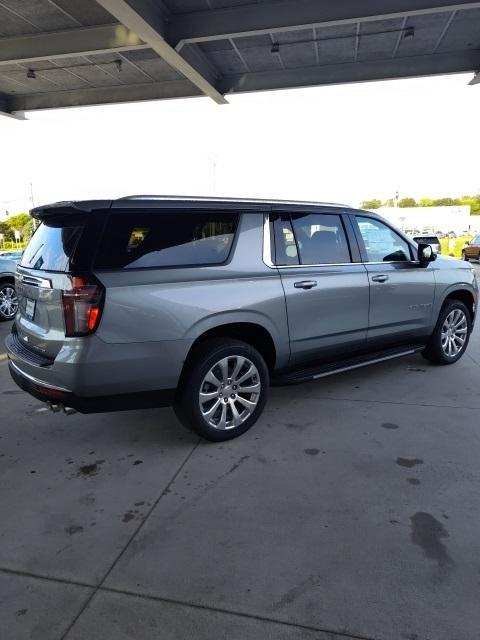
column 327, row 294
column 401, row 291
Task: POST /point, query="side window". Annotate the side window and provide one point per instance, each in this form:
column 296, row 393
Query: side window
column 286, row 252
column 320, row 239
column 140, row 240
column 382, row 244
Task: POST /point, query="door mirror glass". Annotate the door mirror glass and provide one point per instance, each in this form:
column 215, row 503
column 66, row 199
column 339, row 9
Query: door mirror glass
column 426, row 253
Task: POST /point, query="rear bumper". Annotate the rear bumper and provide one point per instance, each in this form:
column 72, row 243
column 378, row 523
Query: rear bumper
column 54, row 394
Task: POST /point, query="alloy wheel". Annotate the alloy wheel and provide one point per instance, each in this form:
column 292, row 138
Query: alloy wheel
column 230, row 392
column 8, row 302
column 454, row 333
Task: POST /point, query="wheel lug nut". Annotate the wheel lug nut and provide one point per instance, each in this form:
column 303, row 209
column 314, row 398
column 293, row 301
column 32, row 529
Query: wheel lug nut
column 233, row 395
column 234, row 387
column 225, row 399
column 221, row 395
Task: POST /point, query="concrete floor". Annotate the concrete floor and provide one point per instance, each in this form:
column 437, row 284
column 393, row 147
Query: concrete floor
column 349, row 511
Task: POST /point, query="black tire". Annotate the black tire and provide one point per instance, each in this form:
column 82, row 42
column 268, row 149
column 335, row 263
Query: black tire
column 464, row 257
column 5, row 291
column 198, row 365
column 434, row 351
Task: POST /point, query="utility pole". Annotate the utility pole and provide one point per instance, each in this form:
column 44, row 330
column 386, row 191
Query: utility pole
column 32, row 202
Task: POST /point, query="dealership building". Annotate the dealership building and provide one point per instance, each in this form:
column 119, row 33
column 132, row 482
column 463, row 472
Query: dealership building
column 431, row 219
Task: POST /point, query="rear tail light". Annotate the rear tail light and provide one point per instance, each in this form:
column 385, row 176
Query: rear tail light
column 82, row 305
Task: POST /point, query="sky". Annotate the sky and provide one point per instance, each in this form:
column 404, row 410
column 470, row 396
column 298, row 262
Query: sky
column 345, row 143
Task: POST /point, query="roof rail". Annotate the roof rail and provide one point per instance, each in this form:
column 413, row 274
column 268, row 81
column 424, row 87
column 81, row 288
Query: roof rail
column 231, row 200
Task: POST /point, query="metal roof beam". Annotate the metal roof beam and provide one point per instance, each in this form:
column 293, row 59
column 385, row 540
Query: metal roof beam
column 69, row 43
column 291, row 15
column 411, row 67
column 102, row 95
column 144, row 18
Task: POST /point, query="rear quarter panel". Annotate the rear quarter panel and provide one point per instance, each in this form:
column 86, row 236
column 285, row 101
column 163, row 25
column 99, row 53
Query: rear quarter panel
column 180, row 304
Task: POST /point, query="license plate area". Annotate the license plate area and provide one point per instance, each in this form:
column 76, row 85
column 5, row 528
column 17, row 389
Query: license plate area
column 30, row 308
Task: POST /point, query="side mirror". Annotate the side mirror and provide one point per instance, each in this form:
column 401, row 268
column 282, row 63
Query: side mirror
column 467, row 242
column 426, row 254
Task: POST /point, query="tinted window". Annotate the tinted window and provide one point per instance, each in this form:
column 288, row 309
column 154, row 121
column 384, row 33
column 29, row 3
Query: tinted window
column 320, row 239
column 382, row 244
column 157, row 239
column 52, row 246
column 286, row 252
column 427, row 239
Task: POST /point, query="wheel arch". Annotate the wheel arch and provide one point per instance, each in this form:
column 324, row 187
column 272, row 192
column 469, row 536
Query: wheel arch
column 7, row 277
column 251, row 332
column 463, row 294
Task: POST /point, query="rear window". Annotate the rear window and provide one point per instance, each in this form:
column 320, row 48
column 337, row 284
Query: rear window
column 52, row 246
column 148, row 240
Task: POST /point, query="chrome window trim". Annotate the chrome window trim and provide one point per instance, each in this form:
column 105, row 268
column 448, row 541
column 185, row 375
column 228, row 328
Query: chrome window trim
column 307, row 266
column 412, row 262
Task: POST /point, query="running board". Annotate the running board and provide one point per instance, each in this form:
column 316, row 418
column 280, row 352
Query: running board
column 322, row 371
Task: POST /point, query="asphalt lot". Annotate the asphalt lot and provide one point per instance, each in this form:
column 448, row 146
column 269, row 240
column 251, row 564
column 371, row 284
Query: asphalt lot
column 349, row 511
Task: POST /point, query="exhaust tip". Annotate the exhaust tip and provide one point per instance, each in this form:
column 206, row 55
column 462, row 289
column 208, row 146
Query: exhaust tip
column 57, row 408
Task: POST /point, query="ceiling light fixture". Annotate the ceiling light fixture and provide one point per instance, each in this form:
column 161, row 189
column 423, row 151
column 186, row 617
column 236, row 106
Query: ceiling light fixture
column 32, row 73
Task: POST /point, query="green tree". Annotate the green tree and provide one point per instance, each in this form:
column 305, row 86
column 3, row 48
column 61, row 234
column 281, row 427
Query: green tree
column 374, row 203
column 6, row 231
column 27, row 230
column 425, row 202
column 407, row 202
column 445, row 202
column 473, row 201
column 20, row 223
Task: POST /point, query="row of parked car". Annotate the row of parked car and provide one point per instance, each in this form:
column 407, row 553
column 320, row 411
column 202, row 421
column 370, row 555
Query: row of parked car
column 8, row 296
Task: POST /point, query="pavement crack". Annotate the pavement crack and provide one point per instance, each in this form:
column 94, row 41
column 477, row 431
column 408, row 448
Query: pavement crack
column 129, row 541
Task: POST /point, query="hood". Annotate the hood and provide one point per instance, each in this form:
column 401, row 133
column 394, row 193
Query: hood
column 447, row 262
column 7, row 265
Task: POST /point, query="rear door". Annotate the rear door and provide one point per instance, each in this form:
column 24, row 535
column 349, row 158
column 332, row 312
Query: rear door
column 326, row 286
column 41, row 279
column 401, row 291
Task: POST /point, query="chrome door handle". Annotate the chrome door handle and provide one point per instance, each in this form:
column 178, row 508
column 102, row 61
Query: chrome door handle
column 380, row 278
column 305, row 284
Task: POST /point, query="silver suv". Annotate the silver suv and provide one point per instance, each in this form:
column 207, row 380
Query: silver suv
column 151, row 301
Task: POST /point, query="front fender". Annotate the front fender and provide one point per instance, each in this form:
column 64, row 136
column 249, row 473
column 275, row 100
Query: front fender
column 444, row 292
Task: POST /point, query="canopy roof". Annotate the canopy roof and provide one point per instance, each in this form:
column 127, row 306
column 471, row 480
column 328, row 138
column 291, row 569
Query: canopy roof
column 59, row 53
